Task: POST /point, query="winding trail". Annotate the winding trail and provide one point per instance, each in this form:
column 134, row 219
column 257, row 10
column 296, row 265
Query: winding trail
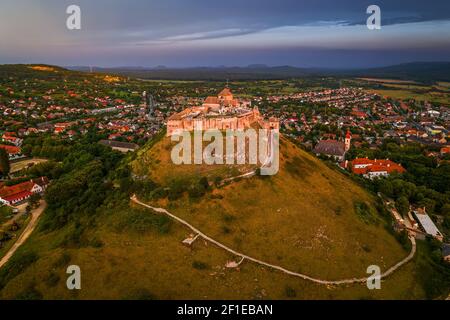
column 35, row 214
column 245, row 175
column 276, row 267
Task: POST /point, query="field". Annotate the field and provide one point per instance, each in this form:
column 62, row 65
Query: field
column 438, row 92
column 23, row 164
column 381, row 80
column 430, row 96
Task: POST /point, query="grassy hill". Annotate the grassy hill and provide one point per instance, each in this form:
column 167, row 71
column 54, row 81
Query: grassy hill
column 308, row 218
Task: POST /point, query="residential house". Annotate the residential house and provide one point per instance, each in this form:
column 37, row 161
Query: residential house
column 12, row 151
column 375, row 168
column 16, row 194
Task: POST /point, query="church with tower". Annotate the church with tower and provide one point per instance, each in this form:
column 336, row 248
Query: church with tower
column 333, row 148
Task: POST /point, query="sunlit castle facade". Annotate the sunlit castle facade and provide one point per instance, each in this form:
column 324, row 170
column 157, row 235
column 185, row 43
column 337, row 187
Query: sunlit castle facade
column 222, row 112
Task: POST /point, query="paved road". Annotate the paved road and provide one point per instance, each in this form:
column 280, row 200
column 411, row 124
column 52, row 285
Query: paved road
column 279, row 268
column 35, row 214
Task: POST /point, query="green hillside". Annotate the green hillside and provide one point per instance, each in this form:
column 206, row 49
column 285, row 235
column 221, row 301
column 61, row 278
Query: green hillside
column 309, row 218
column 305, row 218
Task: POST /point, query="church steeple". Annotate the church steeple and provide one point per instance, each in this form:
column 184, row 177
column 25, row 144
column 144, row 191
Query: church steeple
column 348, row 139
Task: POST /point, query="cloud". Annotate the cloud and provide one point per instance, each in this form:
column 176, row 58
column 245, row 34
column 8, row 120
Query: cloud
column 216, row 34
column 158, row 29
column 398, row 20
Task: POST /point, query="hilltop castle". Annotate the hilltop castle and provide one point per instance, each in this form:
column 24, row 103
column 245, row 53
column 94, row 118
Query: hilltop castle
column 222, row 112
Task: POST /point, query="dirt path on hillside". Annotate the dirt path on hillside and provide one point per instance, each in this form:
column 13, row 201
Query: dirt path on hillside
column 279, row 268
column 35, row 214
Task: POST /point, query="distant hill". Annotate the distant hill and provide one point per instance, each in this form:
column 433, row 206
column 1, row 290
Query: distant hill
column 254, row 72
column 419, row 71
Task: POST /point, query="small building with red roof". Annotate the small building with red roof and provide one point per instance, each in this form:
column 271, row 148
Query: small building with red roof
column 16, row 194
column 12, row 151
column 445, row 150
column 375, row 168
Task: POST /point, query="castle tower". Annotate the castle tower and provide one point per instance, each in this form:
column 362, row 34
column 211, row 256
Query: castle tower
column 225, row 95
column 274, row 124
column 256, row 113
column 348, row 139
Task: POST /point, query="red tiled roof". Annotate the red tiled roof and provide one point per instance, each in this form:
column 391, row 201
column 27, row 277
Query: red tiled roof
column 18, row 196
column 359, row 170
column 362, row 161
column 42, row 181
column 375, row 166
column 9, row 138
column 348, row 135
column 63, row 124
column 10, row 149
column 359, row 114
column 212, row 100
column 225, row 92
column 11, row 190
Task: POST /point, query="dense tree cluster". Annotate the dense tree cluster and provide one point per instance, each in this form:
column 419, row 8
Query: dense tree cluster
column 425, row 184
column 4, row 163
column 83, row 180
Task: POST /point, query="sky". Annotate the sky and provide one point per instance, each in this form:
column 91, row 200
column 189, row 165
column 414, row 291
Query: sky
column 188, row 33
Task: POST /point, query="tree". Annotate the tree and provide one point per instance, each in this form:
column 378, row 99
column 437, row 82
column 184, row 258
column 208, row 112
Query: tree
column 446, row 210
column 34, row 200
column 4, row 163
column 385, row 187
column 402, row 205
column 204, row 183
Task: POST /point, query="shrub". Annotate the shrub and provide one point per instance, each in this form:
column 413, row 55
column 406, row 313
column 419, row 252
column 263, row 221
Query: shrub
column 142, row 222
column 52, row 279
column 141, row 294
column 290, row 292
column 62, row 261
column 364, row 211
column 176, row 189
column 30, row 293
column 18, row 264
column 199, row 265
